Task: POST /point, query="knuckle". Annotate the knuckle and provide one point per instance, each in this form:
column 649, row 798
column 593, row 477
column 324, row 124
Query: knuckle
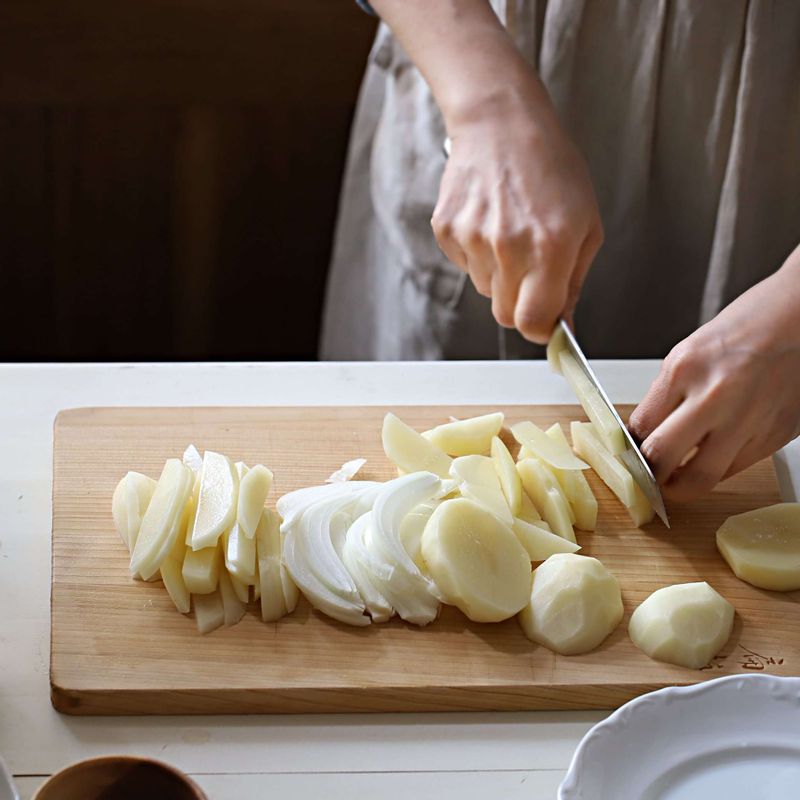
column 654, row 450
column 679, row 365
column 442, row 226
column 533, row 324
column 503, row 315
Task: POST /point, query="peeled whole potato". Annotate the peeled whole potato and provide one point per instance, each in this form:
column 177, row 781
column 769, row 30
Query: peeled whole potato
column 685, row 624
column 575, row 604
column 762, row 546
column 476, row 561
column 466, row 437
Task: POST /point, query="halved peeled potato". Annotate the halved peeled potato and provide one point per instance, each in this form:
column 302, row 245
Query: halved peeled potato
column 476, row 561
column 466, row 436
column 552, row 451
column 539, row 542
column 598, row 412
column 762, row 546
column 410, row 451
column 542, row 487
column 507, row 473
column 575, row 487
column 686, row 624
column 478, row 481
column 575, row 604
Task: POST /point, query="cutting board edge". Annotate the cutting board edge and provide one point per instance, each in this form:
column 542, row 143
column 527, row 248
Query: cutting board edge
column 347, row 700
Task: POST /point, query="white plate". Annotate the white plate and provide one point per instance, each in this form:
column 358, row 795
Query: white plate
column 736, row 738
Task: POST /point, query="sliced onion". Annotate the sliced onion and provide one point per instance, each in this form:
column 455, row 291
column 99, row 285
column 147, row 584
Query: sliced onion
column 291, row 505
column 347, row 471
column 353, row 555
column 413, row 595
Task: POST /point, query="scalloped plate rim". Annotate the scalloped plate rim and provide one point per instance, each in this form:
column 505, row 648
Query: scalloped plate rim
column 569, row 789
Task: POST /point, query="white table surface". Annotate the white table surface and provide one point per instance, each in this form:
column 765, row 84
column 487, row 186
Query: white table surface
column 424, row 756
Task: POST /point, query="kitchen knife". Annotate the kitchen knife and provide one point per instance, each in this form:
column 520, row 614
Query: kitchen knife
column 632, row 456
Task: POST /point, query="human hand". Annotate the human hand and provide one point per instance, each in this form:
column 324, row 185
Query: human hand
column 517, row 210
column 731, row 390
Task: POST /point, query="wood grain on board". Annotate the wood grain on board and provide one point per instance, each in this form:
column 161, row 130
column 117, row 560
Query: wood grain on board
column 120, row 647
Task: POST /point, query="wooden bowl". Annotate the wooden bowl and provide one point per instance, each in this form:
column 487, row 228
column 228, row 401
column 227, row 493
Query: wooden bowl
column 119, row 778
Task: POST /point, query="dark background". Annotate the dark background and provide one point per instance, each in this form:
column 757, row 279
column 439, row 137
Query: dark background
column 169, row 174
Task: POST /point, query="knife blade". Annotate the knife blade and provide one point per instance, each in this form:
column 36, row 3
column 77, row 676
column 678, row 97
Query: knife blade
column 632, row 456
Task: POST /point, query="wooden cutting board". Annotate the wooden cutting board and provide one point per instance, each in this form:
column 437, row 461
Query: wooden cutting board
column 120, row 647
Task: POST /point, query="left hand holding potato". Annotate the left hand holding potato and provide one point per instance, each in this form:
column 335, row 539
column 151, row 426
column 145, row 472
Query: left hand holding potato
column 729, row 393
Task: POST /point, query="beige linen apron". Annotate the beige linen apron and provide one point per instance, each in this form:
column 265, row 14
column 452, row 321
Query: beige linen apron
column 688, row 113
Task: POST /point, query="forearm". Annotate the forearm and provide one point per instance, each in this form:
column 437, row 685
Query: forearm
column 465, row 55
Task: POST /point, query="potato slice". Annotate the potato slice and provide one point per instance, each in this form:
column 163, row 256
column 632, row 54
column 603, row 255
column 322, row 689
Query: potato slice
column 466, row 437
column 240, row 554
column 476, row 561
column 411, row 530
column 762, row 546
column 291, row 594
column 216, row 503
column 201, row 570
column 254, row 487
column 139, row 489
column 171, row 570
column 610, row 469
column 641, row 512
column 232, row 606
column 539, row 542
column 478, row 481
column 268, row 543
column 613, row 473
column 160, row 520
column 598, row 412
column 410, row 451
column 551, row 451
column 575, row 604
column 685, row 624
column 507, row 473
column 242, row 589
column 524, row 453
column 119, row 510
column 172, row 576
column 192, row 459
column 527, row 510
column 209, row 613
column 542, row 487
column 575, row 487
column 556, row 346
column 192, row 503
